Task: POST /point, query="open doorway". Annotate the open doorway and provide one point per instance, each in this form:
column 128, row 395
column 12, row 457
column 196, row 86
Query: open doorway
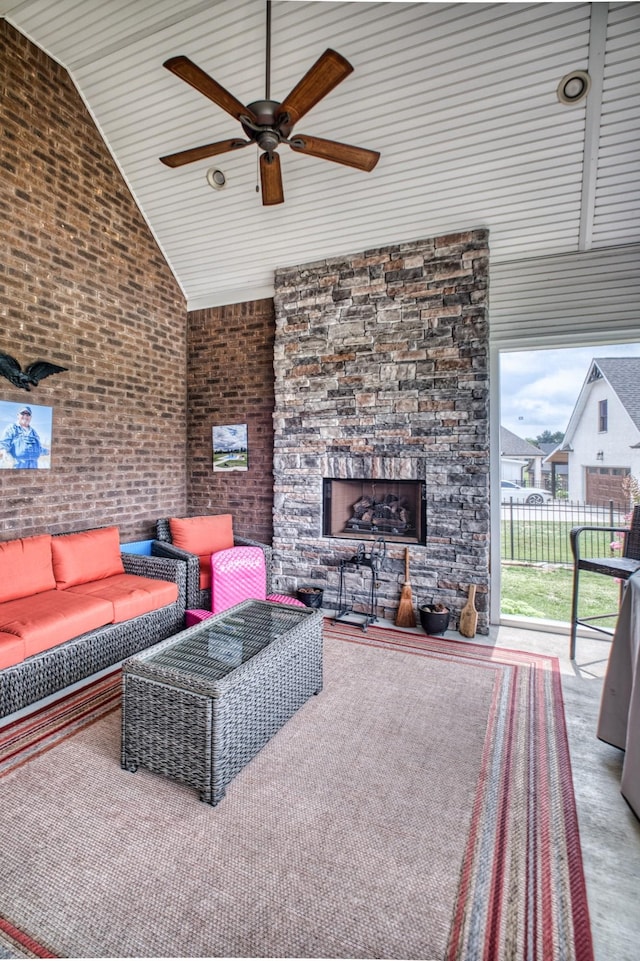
column 569, row 455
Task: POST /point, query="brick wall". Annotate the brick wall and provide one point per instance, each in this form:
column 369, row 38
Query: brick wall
column 83, row 284
column 381, row 363
column 231, row 382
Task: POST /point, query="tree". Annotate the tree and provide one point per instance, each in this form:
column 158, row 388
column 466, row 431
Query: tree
column 546, row 437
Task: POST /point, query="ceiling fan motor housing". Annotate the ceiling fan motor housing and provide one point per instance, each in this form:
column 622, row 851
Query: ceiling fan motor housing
column 267, row 131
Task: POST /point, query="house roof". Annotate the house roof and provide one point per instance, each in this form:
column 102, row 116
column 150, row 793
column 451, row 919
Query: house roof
column 623, row 374
column 555, row 455
column 459, row 98
column 513, row 446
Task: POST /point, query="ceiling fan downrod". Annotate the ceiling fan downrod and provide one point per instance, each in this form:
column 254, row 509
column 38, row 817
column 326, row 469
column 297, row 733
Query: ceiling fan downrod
column 267, row 85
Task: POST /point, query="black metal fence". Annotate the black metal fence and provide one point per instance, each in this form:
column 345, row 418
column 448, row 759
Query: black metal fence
column 539, row 533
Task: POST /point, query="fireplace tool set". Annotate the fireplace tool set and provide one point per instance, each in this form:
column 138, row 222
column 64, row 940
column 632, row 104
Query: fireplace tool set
column 372, row 562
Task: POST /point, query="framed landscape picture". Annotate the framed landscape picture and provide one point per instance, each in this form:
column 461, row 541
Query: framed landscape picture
column 25, row 436
column 230, row 450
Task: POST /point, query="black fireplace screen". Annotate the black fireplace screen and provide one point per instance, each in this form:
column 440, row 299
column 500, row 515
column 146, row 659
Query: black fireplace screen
column 366, row 509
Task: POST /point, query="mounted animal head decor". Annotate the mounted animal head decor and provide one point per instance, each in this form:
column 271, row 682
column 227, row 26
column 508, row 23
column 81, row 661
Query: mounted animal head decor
column 33, row 374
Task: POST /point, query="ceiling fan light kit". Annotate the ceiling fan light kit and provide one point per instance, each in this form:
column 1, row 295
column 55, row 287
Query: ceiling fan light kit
column 268, row 123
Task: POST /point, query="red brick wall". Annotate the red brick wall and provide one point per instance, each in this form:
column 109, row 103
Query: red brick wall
column 83, row 284
column 230, row 381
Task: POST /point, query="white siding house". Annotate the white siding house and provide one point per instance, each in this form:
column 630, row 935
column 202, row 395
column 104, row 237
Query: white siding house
column 520, row 461
column 603, row 435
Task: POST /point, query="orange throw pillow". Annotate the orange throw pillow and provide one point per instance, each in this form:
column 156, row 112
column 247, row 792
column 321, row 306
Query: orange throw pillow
column 202, row 535
column 25, row 567
column 86, row 556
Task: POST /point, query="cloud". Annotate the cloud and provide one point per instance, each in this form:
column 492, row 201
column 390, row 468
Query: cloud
column 539, row 388
column 230, row 437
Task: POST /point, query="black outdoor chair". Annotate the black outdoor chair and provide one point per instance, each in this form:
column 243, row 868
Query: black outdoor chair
column 621, row 567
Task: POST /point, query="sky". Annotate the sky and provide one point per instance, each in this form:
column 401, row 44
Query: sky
column 539, row 388
column 230, row 437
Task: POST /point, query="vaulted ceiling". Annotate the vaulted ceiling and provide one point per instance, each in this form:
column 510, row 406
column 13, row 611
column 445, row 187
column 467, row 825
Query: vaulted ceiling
column 459, row 98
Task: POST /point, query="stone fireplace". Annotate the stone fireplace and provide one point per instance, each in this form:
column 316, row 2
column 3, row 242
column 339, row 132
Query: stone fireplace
column 381, row 374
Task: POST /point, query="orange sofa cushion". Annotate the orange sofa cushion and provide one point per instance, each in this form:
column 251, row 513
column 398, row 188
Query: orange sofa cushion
column 86, row 556
column 130, row 594
column 47, row 619
column 25, row 567
column 202, row 535
column 11, row 650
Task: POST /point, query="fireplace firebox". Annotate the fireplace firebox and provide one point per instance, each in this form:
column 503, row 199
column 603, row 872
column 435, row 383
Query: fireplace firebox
column 368, row 509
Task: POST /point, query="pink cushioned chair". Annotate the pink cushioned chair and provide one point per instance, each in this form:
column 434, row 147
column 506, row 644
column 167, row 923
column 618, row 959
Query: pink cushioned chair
column 237, row 574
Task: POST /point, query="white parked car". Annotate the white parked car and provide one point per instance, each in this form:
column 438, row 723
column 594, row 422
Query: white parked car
column 527, row 495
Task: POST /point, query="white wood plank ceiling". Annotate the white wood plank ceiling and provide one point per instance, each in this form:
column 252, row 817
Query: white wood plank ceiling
column 460, row 99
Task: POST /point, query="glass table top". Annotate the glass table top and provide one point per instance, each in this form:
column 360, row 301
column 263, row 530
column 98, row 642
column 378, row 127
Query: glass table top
column 214, row 647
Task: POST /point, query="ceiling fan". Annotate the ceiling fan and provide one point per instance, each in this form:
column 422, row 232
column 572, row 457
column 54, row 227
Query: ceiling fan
column 269, row 123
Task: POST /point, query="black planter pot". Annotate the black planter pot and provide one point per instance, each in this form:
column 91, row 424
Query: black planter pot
column 310, row 596
column 433, row 622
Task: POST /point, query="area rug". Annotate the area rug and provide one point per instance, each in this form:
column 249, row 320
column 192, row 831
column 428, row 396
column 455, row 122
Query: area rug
column 421, row 806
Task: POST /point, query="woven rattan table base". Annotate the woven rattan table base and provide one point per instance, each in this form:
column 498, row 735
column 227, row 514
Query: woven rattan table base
column 201, row 730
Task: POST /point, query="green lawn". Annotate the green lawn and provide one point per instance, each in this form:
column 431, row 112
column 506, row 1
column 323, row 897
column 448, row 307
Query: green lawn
column 525, row 540
column 545, row 592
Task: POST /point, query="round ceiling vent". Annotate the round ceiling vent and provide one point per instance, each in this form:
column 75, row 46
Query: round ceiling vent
column 574, row 87
column 216, row 178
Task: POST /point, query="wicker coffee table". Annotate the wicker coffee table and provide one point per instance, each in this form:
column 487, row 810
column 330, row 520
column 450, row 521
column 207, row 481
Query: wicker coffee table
column 198, row 706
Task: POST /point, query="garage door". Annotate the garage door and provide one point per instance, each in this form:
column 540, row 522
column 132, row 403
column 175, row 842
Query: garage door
column 604, row 484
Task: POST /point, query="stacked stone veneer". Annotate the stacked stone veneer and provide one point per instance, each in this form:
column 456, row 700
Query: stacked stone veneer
column 381, row 370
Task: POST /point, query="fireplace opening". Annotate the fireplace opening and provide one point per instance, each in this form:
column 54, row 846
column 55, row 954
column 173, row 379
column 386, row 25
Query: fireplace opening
column 367, row 509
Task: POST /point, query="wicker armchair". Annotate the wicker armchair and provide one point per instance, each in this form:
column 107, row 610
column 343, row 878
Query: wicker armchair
column 198, row 598
column 621, row 567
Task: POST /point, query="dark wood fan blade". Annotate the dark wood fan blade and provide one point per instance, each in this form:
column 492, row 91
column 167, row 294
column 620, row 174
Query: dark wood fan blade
column 340, row 153
column 201, row 81
column 271, row 179
column 326, row 73
column 199, row 153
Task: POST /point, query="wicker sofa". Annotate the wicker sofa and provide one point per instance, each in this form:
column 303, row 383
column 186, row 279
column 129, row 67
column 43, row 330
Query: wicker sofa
column 193, row 540
column 87, row 608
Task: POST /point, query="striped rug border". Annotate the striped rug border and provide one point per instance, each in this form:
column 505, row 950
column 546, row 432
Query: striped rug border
column 17, row 944
column 43, row 728
column 404, row 639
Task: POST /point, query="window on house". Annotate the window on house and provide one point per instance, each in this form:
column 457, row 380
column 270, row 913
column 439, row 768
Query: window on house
column 602, row 416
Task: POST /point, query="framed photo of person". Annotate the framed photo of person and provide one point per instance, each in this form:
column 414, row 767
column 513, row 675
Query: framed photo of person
column 25, row 436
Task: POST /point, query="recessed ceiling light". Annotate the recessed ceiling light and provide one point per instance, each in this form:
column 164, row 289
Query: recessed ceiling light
column 216, row 178
column 574, row 87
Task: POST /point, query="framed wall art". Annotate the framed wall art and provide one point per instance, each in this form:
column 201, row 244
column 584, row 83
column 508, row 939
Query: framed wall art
column 25, row 436
column 230, row 449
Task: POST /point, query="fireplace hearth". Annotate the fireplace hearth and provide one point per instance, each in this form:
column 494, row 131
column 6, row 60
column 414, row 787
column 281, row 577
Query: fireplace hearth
column 369, row 509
